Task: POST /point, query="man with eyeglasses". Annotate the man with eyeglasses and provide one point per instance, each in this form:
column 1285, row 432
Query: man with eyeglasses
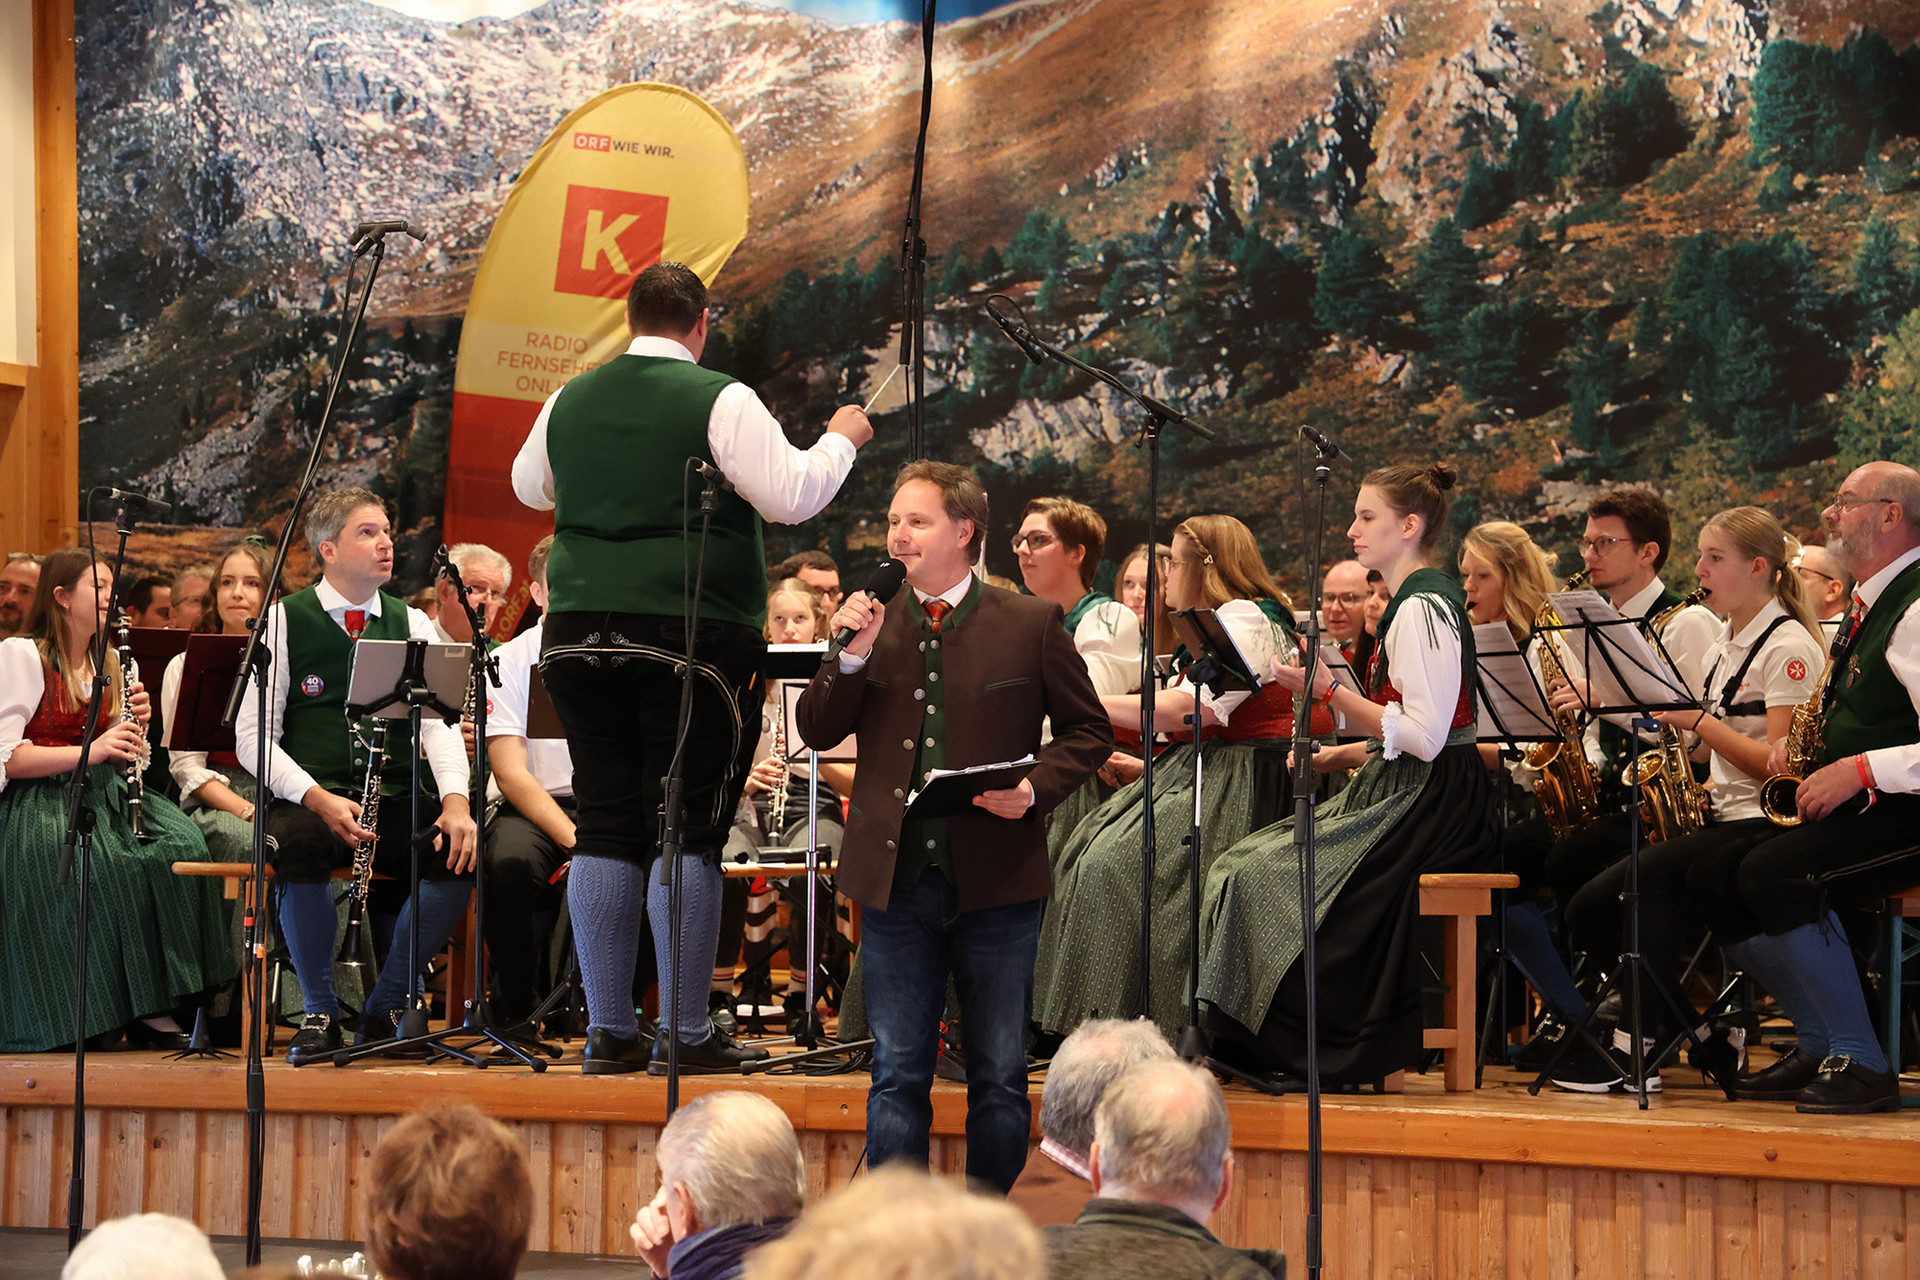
column 1859, row 809
column 1828, row 587
column 487, row 574
column 1343, row 599
column 1628, row 536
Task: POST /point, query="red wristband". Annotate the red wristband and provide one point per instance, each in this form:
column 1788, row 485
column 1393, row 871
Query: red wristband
column 1866, row 775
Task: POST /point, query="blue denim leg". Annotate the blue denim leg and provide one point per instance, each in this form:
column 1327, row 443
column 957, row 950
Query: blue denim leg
column 904, row 950
column 993, row 953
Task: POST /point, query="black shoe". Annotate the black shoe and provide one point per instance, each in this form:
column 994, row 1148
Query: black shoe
column 384, row 1024
column 1845, row 1088
column 1587, row 1070
column 141, row 1036
column 1721, row 1054
column 718, row 1053
column 1533, row 1056
column 611, row 1055
column 316, row 1041
column 720, row 1009
column 950, row 1065
column 1781, row 1082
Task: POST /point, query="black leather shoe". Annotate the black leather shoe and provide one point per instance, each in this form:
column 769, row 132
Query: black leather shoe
column 718, row 1053
column 1845, row 1088
column 384, row 1024
column 720, row 1009
column 611, row 1055
column 1781, row 1082
column 316, row 1040
column 141, row 1036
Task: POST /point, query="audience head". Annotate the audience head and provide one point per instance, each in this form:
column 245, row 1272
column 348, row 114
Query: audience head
column 451, row 1199
column 537, row 570
column 149, row 602
column 668, row 300
column 1098, row 1052
column 727, row 1159
column 936, row 523
column 352, row 538
column 1059, row 546
column 1628, row 537
column 1744, row 560
column 902, row 1224
column 1507, row 577
column 146, row 1246
column 1874, row 518
column 18, row 582
column 487, row 574
column 816, row 567
column 1400, row 513
column 796, row 612
column 1824, row 581
column 238, row 590
column 1161, row 1135
column 190, row 589
column 1215, row 559
column 1343, row 596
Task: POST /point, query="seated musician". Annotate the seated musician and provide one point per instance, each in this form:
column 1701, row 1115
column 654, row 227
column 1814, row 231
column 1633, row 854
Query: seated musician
column 1089, row 963
column 1858, row 807
column 1828, row 588
column 1343, row 599
column 530, row 835
column 1765, row 663
column 1507, row 579
column 487, row 575
column 317, row 765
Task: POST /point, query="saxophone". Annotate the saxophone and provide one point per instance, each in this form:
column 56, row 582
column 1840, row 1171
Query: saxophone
column 1568, row 789
column 1672, row 801
column 1780, row 793
column 135, row 769
column 362, row 881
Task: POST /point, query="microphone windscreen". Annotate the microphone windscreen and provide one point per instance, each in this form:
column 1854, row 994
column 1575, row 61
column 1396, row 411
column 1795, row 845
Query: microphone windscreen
column 886, row 580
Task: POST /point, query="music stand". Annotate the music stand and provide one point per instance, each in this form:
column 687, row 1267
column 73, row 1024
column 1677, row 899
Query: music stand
column 794, row 666
column 1634, row 676
column 1220, row 668
column 1512, row 710
column 395, row 680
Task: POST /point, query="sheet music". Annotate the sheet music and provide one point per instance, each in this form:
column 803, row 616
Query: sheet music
column 1623, row 669
column 1508, row 697
column 1337, row 665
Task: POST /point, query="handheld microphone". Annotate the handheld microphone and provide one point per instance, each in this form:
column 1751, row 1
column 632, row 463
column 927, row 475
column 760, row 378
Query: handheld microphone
column 1327, row 448
column 1016, row 331
column 883, row 585
column 153, row 505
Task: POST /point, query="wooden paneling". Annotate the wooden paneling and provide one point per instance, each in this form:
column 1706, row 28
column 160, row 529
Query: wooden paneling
column 169, row 1137
column 39, row 420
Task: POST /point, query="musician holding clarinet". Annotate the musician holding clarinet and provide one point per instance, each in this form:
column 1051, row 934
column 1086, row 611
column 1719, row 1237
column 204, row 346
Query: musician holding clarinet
column 317, row 764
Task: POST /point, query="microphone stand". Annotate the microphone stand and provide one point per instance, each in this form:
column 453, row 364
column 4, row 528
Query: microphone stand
column 913, row 256
column 253, row 667
column 79, row 843
column 1158, row 416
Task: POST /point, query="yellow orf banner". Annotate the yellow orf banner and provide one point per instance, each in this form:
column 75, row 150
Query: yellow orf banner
column 642, row 173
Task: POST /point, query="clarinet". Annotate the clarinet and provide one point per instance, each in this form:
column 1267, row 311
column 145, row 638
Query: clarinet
column 136, row 783
column 362, row 880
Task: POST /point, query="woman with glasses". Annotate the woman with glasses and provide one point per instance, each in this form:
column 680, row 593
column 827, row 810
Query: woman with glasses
column 1089, row 961
column 1419, row 802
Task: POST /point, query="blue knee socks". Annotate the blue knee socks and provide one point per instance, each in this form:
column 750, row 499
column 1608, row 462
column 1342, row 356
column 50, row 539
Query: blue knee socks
column 1531, row 950
column 442, row 903
column 1830, row 988
column 307, row 922
column 700, row 893
column 605, row 897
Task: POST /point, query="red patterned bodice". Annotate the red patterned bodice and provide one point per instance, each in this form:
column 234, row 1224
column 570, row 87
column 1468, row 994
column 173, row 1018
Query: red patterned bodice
column 1464, row 712
column 55, row 724
column 1267, row 714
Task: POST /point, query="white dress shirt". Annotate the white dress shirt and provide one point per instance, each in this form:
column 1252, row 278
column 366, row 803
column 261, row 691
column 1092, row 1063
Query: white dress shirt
column 785, row 485
column 440, row 742
column 548, row 759
column 1897, row 769
column 1781, row 675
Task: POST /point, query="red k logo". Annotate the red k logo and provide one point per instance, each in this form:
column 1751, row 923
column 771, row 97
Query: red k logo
column 607, row 238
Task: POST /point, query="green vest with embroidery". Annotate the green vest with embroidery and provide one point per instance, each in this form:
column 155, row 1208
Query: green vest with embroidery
column 924, row 844
column 1453, row 602
column 1086, row 605
column 1867, row 706
column 618, row 441
column 314, row 729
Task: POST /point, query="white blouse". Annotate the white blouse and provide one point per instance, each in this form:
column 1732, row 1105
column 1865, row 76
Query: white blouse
column 1423, row 663
column 1108, row 639
column 1782, row 675
column 1260, row 641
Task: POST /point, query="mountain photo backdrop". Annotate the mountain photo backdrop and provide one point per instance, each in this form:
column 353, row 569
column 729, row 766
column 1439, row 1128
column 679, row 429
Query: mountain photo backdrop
column 1560, row 243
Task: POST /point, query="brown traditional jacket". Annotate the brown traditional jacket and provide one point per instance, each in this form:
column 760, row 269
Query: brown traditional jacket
column 1009, row 664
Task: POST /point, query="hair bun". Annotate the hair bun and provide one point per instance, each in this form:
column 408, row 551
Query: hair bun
column 1442, row 476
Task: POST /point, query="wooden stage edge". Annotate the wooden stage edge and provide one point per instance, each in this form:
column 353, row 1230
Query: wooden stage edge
column 1488, row 1183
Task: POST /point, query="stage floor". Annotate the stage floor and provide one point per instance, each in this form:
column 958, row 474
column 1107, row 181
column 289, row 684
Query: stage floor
column 1494, row 1182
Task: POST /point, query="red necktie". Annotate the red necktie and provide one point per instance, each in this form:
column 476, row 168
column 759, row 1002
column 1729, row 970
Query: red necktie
column 356, row 622
column 936, row 611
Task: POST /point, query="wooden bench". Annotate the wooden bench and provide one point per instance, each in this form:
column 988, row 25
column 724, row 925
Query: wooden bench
column 1460, row 900
column 1901, row 907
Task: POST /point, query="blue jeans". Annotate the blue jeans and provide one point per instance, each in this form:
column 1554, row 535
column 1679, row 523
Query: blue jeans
column 908, row 950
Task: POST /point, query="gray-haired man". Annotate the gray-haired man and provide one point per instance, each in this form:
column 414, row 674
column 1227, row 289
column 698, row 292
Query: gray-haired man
column 731, row 1179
